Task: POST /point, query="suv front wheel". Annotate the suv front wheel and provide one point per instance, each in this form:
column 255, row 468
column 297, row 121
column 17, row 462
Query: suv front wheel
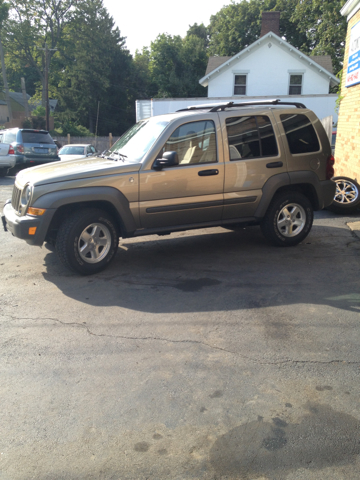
column 87, row 241
column 288, row 220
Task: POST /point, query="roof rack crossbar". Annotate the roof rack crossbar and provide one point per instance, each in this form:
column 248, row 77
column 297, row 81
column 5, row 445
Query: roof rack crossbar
column 222, row 106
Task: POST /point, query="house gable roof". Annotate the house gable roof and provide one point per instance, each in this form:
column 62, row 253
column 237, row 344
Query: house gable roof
column 321, row 63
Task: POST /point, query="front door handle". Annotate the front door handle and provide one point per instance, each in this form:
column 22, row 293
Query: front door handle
column 274, row 165
column 206, row 173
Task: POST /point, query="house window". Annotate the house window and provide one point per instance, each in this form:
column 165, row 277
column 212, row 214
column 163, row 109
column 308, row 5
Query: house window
column 240, row 85
column 295, row 84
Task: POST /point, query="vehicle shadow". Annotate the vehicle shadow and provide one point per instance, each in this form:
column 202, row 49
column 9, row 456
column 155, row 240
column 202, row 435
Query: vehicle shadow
column 220, row 270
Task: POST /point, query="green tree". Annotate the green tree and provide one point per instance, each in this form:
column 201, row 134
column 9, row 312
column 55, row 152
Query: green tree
column 95, row 69
column 33, row 23
column 177, row 64
column 324, row 28
column 313, row 26
column 234, row 27
column 199, row 31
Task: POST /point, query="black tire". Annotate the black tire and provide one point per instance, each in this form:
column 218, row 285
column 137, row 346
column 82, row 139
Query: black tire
column 288, row 220
column 3, row 171
column 347, row 196
column 87, row 241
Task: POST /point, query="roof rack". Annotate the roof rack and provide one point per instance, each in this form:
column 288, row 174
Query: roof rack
column 222, row 106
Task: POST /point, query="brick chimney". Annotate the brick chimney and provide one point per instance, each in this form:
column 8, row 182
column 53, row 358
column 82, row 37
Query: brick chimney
column 270, row 22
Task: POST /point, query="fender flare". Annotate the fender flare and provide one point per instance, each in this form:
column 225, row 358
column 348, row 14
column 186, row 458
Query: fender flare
column 60, row 198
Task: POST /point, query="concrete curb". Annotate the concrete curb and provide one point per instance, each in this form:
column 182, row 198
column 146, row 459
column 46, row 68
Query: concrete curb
column 354, row 227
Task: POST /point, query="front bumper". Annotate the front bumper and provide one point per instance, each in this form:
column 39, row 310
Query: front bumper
column 21, row 227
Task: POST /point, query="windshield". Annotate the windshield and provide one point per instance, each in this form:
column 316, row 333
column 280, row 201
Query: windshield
column 72, row 151
column 136, row 142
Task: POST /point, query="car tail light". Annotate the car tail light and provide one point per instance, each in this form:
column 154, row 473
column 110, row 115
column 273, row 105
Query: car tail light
column 20, row 148
column 330, row 167
column 11, row 150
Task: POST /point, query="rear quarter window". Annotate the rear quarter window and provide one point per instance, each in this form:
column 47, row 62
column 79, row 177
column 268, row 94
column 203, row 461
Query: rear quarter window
column 300, row 133
column 9, row 137
column 37, row 137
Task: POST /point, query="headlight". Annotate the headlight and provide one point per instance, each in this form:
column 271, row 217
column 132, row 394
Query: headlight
column 26, row 195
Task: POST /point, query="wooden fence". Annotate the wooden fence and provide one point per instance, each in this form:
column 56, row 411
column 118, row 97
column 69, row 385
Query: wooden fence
column 100, row 143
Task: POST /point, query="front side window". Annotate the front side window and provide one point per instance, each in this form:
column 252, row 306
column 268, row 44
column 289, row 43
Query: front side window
column 240, row 85
column 194, row 142
column 295, row 86
column 250, row 137
column 300, row 133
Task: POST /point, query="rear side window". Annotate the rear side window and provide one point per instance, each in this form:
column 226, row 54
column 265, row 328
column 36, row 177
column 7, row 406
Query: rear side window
column 36, row 137
column 250, row 137
column 300, row 133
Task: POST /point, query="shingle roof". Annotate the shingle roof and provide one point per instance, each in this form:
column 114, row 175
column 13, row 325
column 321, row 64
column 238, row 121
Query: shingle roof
column 214, row 63
column 324, row 61
column 18, row 97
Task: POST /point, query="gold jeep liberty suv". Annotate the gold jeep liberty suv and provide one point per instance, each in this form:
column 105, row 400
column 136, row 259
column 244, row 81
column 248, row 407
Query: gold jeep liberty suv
column 255, row 163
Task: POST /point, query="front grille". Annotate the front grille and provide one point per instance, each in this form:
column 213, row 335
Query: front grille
column 15, row 199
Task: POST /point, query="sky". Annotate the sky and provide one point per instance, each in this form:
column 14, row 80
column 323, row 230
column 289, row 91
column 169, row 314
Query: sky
column 141, row 21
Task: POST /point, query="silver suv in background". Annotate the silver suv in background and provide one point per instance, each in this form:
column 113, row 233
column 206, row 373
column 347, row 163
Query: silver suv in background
column 28, row 147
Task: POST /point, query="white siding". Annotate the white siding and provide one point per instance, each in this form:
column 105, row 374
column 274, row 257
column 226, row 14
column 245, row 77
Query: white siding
column 322, row 105
column 268, row 71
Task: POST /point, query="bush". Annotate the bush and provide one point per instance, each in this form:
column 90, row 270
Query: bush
column 38, row 122
column 39, row 111
column 27, row 123
column 74, row 130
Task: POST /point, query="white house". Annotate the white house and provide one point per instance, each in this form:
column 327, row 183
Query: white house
column 268, row 68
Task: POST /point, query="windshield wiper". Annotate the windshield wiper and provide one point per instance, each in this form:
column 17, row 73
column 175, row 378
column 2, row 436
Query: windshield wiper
column 112, row 156
column 118, row 154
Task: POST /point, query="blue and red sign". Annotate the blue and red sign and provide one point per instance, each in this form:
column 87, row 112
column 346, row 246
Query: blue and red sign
column 353, row 70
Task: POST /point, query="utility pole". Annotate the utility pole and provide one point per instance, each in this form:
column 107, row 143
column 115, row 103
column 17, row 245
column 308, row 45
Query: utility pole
column 7, row 96
column 47, row 66
column 97, row 121
column 23, row 89
column 47, row 86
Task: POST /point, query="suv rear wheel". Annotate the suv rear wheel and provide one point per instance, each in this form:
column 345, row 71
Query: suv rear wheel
column 288, row 220
column 87, row 241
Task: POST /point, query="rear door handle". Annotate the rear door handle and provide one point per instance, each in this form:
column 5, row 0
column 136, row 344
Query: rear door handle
column 274, row 165
column 206, row 173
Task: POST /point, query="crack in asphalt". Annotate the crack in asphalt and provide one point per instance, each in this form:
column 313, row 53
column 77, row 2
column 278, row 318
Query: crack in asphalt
column 196, row 342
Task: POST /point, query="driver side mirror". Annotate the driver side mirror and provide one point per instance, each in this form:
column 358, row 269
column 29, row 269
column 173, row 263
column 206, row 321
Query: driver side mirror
column 169, row 160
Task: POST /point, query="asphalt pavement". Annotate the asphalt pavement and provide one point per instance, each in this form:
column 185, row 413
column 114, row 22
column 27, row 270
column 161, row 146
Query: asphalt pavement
column 206, row 354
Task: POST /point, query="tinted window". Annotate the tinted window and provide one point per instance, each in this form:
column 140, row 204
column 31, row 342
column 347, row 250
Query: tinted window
column 250, row 137
column 194, row 142
column 267, row 137
column 300, row 133
column 36, row 137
